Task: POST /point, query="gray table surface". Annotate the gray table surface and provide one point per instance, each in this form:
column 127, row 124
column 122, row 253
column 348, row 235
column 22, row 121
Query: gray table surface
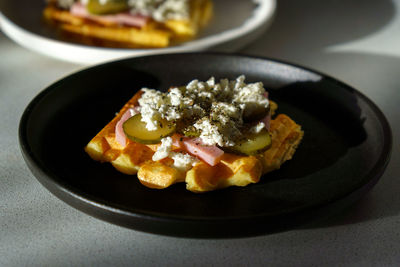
column 357, row 42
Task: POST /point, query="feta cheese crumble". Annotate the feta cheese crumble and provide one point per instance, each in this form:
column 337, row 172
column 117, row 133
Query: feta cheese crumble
column 213, row 111
column 181, row 161
column 209, row 133
column 163, row 150
column 257, row 128
column 161, row 10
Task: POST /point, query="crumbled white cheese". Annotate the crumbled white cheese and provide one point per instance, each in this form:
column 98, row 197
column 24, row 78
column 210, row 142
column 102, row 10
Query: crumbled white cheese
column 227, row 118
column 215, row 110
column 175, row 96
column 183, row 161
column 251, row 95
column 210, row 134
column 156, row 105
column 161, row 10
column 257, row 128
column 163, row 150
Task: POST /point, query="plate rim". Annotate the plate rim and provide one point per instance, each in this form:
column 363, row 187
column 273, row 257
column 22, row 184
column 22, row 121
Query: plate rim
column 35, row 166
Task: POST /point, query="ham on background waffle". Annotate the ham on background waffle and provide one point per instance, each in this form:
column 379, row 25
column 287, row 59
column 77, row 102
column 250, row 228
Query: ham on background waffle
column 126, row 30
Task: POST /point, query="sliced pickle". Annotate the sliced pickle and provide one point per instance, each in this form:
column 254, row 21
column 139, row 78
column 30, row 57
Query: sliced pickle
column 136, row 130
column 254, row 143
column 108, row 7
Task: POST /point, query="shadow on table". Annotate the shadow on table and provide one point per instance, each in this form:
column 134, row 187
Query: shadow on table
column 383, row 200
column 300, row 33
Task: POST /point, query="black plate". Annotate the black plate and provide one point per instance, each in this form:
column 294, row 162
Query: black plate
column 345, row 150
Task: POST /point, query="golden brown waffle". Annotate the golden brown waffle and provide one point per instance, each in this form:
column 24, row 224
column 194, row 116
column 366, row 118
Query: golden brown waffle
column 233, row 170
column 286, row 135
column 153, row 35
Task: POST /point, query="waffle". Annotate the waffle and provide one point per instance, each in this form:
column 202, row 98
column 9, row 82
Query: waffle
column 232, row 170
column 153, row 35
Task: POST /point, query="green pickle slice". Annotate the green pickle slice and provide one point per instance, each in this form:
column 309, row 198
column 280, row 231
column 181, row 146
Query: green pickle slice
column 109, row 7
column 136, row 130
column 253, row 144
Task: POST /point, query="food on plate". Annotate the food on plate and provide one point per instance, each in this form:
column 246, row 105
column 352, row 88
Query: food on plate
column 131, row 23
column 210, row 135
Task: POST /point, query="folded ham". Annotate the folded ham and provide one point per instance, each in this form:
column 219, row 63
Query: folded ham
column 209, row 154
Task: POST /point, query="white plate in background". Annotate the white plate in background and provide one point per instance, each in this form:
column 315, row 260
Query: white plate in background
column 236, row 23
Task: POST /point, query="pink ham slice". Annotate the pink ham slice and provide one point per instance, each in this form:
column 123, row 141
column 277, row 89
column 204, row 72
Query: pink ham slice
column 124, row 18
column 209, row 154
column 119, row 131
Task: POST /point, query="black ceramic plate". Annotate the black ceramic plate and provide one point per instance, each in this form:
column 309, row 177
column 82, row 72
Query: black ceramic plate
column 345, row 150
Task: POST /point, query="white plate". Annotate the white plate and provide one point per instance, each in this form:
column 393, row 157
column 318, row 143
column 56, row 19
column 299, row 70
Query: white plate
column 235, row 24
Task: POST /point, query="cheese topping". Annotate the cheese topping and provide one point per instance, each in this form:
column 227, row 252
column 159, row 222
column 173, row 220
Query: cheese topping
column 181, row 161
column 163, row 150
column 161, row 10
column 258, row 127
column 213, row 111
